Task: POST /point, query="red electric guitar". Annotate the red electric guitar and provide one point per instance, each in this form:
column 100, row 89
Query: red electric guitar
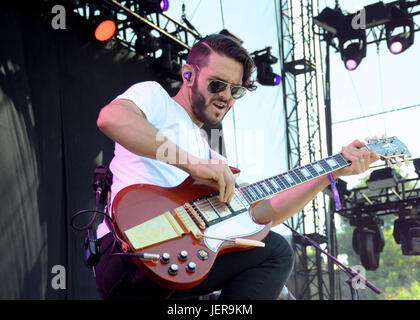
column 175, row 234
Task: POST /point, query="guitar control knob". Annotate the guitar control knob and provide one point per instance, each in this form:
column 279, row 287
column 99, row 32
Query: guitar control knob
column 183, row 255
column 173, row 269
column 191, row 267
column 165, row 257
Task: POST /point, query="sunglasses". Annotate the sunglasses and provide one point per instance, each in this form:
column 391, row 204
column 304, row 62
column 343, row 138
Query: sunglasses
column 216, row 86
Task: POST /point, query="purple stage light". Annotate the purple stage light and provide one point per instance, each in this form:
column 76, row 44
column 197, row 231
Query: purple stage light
column 396, row 47
column 277, row 80
column 164, row 5
column 351, row 64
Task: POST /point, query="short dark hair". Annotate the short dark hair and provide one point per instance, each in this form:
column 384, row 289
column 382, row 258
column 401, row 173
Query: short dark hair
column 224, row 45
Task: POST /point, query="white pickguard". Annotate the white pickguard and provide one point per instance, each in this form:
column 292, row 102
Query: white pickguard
column 235, row 227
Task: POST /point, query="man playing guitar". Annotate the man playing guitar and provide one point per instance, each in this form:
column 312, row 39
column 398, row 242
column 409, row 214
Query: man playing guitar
column 158, row 142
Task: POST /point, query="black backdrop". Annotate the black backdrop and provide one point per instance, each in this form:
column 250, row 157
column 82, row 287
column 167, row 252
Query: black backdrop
column 52, row 85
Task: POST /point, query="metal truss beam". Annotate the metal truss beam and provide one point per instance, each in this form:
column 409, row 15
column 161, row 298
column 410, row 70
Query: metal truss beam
column 405, row 196
column 300, row 58
column 128, row 21
column 377, row 34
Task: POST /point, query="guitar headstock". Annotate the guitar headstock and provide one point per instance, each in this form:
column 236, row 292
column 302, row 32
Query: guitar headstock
column 391, row 150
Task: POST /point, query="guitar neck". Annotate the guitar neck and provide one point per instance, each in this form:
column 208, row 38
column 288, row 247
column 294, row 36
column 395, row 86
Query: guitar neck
column 266, row 188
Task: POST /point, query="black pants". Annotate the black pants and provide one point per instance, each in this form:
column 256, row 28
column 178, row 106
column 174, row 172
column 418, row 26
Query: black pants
column 255, row 274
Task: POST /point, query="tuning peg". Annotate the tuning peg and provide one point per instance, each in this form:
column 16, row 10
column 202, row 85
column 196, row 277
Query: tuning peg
column 367, row 139
column 384, row 137
column 375, row 137
column 398, row 163
column 390, row 164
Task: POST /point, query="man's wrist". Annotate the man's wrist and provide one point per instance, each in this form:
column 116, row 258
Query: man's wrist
column 186, row 161
column 335, row 175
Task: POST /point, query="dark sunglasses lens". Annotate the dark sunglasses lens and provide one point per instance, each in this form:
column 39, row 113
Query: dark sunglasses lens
column 216, row 86
column 238, row 92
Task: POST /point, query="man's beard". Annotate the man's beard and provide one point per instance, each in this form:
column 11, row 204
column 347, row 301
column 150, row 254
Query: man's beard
column 199, row 106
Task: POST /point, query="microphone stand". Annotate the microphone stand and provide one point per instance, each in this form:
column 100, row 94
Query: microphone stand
column 348, row 270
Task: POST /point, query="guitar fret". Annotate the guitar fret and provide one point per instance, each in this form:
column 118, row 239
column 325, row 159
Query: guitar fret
column 300, row 175
column 332, row 163
column 271, row 186
column 262, row 188
column 313, row 171
column 310, row 174
column 267, row 187
column 253, row 188
column 263, row 191
column 325, row 165
column 278, row 183
column 251, row 194
column 247, row 194
column 294, row 176
column 287, row 180
column 318, row 168
column 340, row 160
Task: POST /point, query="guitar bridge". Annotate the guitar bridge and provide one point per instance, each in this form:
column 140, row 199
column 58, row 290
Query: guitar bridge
column 159, row 229
column 187, row 221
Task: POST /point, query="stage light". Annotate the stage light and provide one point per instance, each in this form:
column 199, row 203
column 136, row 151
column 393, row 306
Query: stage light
column 299, row 66
column 102, row 23
column 168, row 63
column 407, row 233
column 351, row 64
column 352, row 44
column 376, row 14
column 368, row 239
column 105, row 29
column 146, row 42
column 399, row 31
column 330, row 20
column 154, row 6
column 382, row 178
column 277, row 80
column 263, row 61
column 353, row 54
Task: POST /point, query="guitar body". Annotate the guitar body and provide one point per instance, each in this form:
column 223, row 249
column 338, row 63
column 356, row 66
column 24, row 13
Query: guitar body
column 168, row 221
column 137, row 204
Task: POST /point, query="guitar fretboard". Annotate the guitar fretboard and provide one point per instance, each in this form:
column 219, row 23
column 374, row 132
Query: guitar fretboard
column 262, row 189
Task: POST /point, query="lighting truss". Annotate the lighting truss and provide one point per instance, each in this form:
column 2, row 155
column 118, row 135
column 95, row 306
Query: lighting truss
column 386, row 201
column 129, row 20
column 300, row 58
column 376, row 32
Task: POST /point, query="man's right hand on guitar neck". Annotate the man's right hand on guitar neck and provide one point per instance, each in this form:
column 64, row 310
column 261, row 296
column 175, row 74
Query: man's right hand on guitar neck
column 213, row 173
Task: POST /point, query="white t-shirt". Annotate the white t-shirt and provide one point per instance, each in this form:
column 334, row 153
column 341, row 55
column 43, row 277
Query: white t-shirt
column 172, row 121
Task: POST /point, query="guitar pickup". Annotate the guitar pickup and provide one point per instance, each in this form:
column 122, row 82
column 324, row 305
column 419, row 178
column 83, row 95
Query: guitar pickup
column 220, row 207
column 236, row 204
column 206, row 210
